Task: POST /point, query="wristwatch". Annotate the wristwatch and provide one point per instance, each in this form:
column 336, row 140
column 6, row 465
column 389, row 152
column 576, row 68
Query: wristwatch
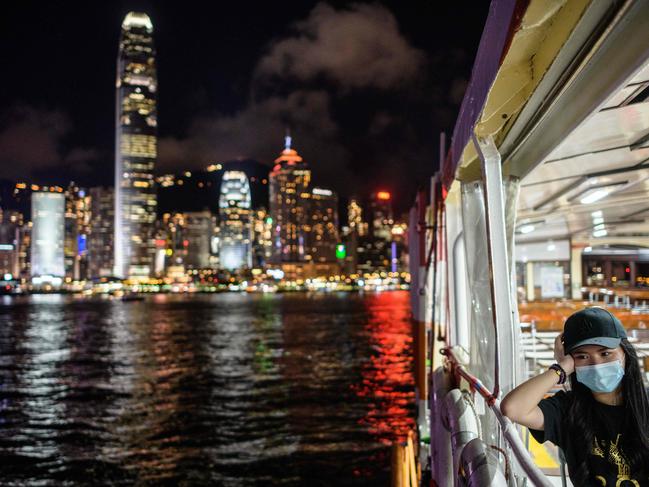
column 560, row 372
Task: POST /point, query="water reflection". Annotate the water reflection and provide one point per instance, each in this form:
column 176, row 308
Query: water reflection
column 227, row 389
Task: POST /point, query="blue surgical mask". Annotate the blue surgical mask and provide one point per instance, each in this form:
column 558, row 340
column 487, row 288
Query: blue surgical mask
column 601, row 377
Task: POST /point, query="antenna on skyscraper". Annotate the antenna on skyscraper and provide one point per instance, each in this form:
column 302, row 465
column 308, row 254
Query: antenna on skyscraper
column 288, row 139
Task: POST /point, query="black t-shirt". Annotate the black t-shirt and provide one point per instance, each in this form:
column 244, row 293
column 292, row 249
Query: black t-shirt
column 607, row 463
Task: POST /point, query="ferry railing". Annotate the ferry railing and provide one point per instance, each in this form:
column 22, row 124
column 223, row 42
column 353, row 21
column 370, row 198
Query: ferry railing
column 405, row 471
column 509, row 431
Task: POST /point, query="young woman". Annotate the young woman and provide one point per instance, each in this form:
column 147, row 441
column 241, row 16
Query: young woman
column 602, row 423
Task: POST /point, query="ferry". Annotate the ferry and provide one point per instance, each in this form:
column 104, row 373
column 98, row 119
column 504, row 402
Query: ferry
column 539, row 208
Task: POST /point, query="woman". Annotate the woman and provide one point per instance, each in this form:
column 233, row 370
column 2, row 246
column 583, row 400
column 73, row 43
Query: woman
column 602, row 424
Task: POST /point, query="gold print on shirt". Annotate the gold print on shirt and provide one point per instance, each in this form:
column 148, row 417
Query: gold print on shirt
column 617, row 458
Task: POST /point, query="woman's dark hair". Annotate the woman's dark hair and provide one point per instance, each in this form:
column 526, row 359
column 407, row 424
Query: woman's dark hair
column 582, row 416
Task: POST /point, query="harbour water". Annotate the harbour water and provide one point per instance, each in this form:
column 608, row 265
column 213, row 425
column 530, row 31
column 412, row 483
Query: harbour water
column 222, row 389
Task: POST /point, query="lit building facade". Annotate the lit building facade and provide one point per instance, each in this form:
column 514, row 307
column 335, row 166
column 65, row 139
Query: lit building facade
column 323, row 216
column 11, row 223
column 100, row 241
column 77, row 228
column 262, row 243
column 135, row 148
column 198, row 234
column 381, row 220
column 235, row 216
column 290, row 195
column 355, row 218
column 48, row 215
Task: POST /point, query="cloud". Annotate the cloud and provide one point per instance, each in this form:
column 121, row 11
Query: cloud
column 297, row 84
column 257, row 131
column 360, row 47
column 31, row 141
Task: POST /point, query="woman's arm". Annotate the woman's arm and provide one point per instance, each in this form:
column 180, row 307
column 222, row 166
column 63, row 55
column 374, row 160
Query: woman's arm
column 521, row 404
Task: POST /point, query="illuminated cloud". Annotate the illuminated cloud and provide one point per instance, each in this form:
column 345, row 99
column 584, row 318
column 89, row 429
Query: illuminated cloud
column 358, row 47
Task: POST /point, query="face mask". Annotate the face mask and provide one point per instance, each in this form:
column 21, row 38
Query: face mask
column 602, row 377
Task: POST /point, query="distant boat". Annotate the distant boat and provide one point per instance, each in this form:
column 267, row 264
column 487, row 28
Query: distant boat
column 132, row 297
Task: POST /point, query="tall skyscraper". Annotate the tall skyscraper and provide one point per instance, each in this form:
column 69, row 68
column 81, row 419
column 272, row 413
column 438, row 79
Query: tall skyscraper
column 262, row 243
column 323, row 215
column 135, row 148
column 100, row 241
column 11, row 222
column 235, row 215
column 381, row 215
column 198, row 234
column 289, row 203
column 48, row 215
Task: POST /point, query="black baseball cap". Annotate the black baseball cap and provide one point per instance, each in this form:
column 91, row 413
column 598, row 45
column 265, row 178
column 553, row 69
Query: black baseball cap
column 592, row 326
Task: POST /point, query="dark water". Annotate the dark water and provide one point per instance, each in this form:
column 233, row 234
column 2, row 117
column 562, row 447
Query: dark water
column 227, row 389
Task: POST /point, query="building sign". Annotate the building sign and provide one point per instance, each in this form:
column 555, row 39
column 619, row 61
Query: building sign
column 341, row 251
column 552, row 282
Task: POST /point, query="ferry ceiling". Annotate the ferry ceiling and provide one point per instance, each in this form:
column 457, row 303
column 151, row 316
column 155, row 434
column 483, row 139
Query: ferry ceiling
column 566, row 102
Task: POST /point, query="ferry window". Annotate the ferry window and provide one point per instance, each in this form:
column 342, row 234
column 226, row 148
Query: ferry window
column 642, row 274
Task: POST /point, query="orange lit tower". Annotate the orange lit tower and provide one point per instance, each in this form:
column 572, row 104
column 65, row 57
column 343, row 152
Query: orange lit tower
column 381, row 215
column 289, row 203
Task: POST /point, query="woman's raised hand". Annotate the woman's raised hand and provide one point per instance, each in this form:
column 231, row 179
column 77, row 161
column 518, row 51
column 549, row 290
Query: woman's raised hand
column 566, row 362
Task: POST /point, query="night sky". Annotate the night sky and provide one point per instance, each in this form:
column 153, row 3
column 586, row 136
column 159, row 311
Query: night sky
column 365, row 87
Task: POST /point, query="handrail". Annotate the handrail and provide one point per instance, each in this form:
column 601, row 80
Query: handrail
column 509, row 430
column 404, row 464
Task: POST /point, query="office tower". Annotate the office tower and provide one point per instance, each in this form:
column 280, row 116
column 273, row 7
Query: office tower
column 100, row 240
column 48, row 214
column 262, row 243
column 198, row 234
column 135, row 148
column 355, row 218
column 235, row 216
column 289, row 200
column 77, row 228
column 10, row 227
column 323, row 216
column 381, row 215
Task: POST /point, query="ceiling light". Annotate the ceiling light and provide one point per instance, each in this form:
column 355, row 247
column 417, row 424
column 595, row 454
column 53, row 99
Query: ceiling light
column 600, row 233
column 596, row 193
column 526, row 229
column 594, row 196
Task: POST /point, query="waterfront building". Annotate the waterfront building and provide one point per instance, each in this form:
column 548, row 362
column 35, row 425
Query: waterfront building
column 100, row 239
column 380, row 220
column 355, row 218
column 290, row 195
column 135, row 148
column 47, row 259
column 198, row 231
column 77, row 228
column 323, row 235
column 10, row 230
column 235, row 217
column 262, row 242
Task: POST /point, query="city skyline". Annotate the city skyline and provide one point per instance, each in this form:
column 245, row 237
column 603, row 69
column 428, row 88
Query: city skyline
column 349, row 128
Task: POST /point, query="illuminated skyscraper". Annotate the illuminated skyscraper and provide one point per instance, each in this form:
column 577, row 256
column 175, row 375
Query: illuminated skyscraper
column 262, row 243
column 381, row 215
column 198, row 235
column 289, row 203
column 323, row 216
column 235, row 214
column 48, row 214
column 100, row 242
column 135, row 148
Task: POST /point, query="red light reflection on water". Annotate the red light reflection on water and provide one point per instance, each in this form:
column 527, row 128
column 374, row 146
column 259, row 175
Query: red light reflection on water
column 387, row 377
